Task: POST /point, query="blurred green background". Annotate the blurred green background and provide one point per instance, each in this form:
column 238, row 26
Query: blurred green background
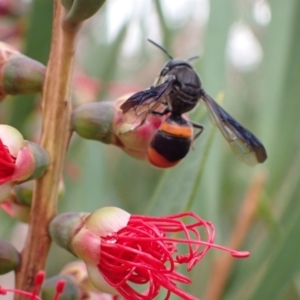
column 250, row 51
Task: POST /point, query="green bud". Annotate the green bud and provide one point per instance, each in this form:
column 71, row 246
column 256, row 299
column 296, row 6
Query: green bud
column 80, row 10
column 41, row 158
column 10, row 258
column 63, row 227
column 70, row 291
column 23, row 192
column 94, row 121
column 23, row 75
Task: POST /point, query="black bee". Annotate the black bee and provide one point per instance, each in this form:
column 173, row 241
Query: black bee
column 179, row 89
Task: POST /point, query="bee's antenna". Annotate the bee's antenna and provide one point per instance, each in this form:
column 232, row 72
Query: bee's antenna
column 160, row 47
column 193, row 57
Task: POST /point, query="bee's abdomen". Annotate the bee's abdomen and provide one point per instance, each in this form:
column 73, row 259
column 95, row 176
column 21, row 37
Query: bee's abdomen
column 171, row 143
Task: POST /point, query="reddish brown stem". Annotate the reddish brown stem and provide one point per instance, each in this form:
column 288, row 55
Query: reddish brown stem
column 55, row 134
column 224, row 263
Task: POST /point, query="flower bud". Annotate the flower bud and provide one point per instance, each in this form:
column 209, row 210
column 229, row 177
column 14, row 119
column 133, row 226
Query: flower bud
column 20, row 160
column 94, row 121
column 70, row 291
column 19, row 74
column 63, row 226
column 105, row 122
column 23, row 192
column 41, row 159
column 79, row 10
column 10, row 258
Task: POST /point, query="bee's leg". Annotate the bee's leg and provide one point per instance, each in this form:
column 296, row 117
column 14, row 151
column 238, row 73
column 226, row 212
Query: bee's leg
column 157, row 113
column 197, row 126
column 147, row 112
column 200, row 129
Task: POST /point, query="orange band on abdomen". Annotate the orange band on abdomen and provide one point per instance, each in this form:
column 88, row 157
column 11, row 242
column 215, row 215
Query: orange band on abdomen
column 177, row 130
column 158, row 160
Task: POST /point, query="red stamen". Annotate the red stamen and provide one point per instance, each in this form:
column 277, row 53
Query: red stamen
column 4, row 291
column 7, row 164
column 59, row 289
column 39, row 278
column 143, row 253
column 38, row 281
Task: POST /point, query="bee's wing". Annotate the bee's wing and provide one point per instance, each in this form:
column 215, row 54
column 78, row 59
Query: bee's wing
column 243, row 143
column 154, row 94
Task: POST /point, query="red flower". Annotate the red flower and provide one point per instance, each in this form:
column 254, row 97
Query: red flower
column 16, row 162
column 122, row 250
column 7, row 164
column 142, row 252
column 20, row 160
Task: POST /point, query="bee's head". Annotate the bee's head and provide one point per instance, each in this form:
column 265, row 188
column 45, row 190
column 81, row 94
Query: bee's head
column 173, row 64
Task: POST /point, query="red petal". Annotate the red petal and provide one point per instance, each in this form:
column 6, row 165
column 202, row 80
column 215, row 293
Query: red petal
column 7, row 164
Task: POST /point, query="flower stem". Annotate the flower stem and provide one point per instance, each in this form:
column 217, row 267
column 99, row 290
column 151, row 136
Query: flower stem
column 56, row 110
